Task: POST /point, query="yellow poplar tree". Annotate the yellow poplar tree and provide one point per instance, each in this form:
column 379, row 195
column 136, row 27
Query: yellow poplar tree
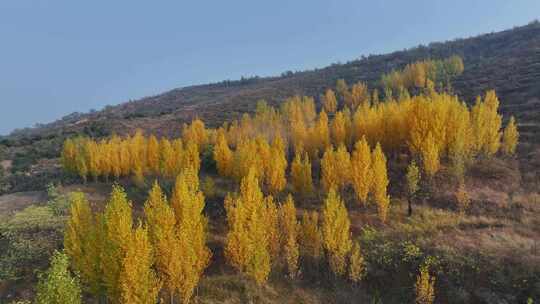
column 339, row 129
column 329, row 170
column 69, row 155
column 289, row 228
column 322, row 133
column 247, row 239
column 117, row 235
column 310, row 237
column 92, row 156
column 192, row 158
column 277, row 166
column 161, row 225
column 510, row 137
column 380, row 182
column 223, row 155
column 301, row 174
column 336, row 232
column 356, row 264
column 138, row 281
column 343, row 165
column 330, row 101
column 493, row 122
column 152, row 151
column 413, row 179
column 82, row 243
column 272, row 224
column 188, row 203
column 167, row 160
column 361, row 172
column 430, row 156
column 196, row 132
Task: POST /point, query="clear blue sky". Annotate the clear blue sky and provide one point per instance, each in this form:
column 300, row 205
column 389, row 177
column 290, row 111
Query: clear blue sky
column 61, row 56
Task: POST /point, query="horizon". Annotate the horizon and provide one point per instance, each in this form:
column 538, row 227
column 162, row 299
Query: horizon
column 111, row 77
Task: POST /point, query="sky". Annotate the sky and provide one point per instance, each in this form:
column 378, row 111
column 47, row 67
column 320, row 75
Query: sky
column 63, row 56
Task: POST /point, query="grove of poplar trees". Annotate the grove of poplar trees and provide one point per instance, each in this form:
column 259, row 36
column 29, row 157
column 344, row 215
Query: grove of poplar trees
column 349, row 144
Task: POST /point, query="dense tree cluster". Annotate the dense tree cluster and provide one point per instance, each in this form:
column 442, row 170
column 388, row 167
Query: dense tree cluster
column 127, row 263
column 422, row 74
column 348, row 148
column 136, row 156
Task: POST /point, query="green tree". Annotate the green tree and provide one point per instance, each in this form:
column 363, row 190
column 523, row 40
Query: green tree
column 57, row 285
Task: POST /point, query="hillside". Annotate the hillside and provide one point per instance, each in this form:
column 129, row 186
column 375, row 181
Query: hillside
column 507, row 61
column 347, row 199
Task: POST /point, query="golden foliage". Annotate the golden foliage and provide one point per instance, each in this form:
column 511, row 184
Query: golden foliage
column 188, row 203
column 117, row 235
column 380, row 182
column 247, row 247
column 510, row 137
column 161, row 223
column 330, row 101
column 289, row 227
column 357, row 268
column 310, row 237
column 138, row 281
column 336, row 232
column 82, row 243
column 361, row 172
column 301, row 175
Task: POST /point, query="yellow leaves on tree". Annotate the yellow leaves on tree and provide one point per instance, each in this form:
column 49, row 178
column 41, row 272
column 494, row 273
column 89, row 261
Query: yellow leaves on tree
column 138, row 282
column 335, row 168
column 380, row 182
column 486, row 124
column 272, row 224
column 247, row 156
column 429, row 153
column 247, row 239
column 359, row 95
column 357, row 268
column 361, row 172
column 117, row 235
column 510, row 137
column 153, row 154
column 191, row 159
column 167, row 160
column 195, row 132
column 82, row 243
column 223, row 155
column 161, row 223
column 289, row 227
column 277, row 165
column 339, row 129
column 188, row 204
column 336, row 232
column 330, row 101
column 301, row 175
column 310, row 237
column 320, row 135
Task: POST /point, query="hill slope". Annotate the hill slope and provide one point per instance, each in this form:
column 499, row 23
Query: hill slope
column 507, row 61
